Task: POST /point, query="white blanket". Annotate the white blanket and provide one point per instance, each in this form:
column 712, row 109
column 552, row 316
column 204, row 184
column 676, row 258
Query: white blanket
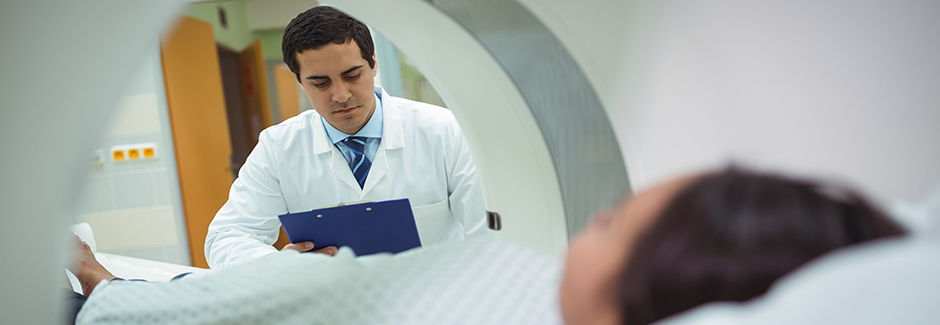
column 478, row 281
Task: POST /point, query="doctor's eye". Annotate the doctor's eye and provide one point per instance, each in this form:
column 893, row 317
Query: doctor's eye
column 354, row 77
column 321, row 85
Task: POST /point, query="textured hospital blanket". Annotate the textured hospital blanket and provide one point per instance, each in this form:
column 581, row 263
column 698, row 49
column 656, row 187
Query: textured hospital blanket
column 478, row 281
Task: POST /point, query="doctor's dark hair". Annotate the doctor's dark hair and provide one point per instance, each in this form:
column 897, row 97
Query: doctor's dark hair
column 320, row 26
column 727, row 236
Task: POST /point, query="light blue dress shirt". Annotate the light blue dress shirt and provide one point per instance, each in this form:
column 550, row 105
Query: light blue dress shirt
column 372, row 131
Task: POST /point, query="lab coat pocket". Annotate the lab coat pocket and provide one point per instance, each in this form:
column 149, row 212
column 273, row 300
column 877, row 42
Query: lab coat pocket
column 433, row 221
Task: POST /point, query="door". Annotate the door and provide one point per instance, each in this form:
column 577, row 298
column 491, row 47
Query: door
column 287, row 100
column 235, row 108
column 254, row 90
column 200, row 126
column 246, row 99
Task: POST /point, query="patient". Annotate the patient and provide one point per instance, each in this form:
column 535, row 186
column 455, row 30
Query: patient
column 722, row 236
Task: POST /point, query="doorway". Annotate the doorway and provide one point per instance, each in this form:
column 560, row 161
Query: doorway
column 246, row 99
column 234, row 108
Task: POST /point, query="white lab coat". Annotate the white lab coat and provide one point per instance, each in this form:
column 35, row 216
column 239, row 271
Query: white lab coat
column 295, row 168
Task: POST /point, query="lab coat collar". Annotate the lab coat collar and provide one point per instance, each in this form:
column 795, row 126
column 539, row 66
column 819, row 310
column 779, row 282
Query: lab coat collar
column 393, row 136
column 392, row 131
column 321, row 142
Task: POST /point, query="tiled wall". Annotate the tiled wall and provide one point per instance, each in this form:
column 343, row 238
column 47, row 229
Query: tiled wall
column 134, row 208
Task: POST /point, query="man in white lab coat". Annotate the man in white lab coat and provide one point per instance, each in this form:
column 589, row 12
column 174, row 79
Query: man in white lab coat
column 357, row 144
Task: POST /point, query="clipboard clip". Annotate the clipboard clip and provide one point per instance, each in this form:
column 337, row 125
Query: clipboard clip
column 344, row 204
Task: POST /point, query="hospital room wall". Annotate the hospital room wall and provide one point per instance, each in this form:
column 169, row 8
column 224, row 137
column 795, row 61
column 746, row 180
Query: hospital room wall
column 134, row 207
column 236, row 33
column 837, row 89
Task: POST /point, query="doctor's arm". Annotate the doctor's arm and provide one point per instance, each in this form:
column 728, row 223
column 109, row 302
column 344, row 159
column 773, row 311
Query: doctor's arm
column 247, row 225
column 465, row 191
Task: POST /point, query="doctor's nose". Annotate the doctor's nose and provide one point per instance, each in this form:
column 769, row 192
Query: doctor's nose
column 341, row 92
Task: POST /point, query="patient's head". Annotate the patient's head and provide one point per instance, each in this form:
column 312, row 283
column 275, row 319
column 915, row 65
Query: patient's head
column 720, row 236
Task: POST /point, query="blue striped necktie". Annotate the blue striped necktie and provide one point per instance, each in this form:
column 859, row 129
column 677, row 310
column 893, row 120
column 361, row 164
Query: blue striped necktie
column 359, row 164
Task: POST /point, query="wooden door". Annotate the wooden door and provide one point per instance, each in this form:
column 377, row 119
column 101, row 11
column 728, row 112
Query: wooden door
column 286, row 83
column 255, row 90
column 200, row 126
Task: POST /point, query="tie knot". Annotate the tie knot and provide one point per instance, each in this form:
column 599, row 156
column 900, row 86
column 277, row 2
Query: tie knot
column 355, row 143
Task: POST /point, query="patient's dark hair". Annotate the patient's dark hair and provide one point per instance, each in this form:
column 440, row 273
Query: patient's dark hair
column 321, row 26
column 727, row 236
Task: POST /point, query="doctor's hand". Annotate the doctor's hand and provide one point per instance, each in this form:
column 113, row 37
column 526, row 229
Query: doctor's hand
column 307, row 246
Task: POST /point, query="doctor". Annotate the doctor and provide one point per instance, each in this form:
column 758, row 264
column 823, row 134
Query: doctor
column 358, row 143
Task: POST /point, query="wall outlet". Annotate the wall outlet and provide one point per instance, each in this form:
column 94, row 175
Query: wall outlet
column 117, row 154
column 134, row 152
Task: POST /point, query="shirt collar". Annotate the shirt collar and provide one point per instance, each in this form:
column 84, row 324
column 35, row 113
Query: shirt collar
column 372, row 129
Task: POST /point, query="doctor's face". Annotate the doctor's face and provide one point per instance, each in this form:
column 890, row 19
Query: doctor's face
column 340, row 84
column 600, row 253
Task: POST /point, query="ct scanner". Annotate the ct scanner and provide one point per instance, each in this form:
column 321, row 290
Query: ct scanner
column 595, row 90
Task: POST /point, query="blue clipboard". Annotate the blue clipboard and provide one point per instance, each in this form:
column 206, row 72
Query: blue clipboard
column 367, row 228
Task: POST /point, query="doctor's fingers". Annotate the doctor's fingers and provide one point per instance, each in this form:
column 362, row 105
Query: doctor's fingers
column 329, row 250
column 300, row 247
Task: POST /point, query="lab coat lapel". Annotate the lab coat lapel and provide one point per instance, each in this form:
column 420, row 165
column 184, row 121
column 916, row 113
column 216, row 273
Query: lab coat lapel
column 392, row 138
column 377, row 171
column 338, row 164
column 340, row 169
